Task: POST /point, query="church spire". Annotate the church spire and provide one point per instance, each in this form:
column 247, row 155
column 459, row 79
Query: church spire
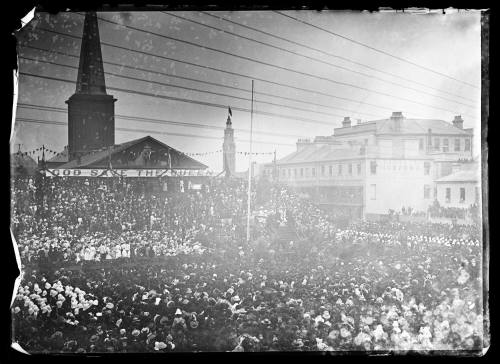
column 91, row 111
column 91, row 71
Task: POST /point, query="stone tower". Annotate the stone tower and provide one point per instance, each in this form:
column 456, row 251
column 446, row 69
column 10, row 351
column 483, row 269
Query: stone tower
column 229, row 149
column 91, row 112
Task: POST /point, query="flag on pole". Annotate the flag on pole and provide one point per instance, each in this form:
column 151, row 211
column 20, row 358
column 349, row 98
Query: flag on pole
column 229, row 111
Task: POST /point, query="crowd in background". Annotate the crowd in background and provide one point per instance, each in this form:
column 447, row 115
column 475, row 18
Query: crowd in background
column 472, row 211
column 368, row 286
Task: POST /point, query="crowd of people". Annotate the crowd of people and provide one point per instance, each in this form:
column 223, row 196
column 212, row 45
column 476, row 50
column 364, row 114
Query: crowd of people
column 182, row 276
column 472, row 211
column 75, row 221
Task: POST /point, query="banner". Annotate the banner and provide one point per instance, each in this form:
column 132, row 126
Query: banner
column 57, row 172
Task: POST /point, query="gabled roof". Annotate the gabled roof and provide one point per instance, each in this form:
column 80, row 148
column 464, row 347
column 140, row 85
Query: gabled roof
column 94, row 157
column 101, row 156
column 468, row 172
column 472, row 175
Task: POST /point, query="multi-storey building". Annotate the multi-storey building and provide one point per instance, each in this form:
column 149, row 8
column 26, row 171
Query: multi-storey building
column 372, row 167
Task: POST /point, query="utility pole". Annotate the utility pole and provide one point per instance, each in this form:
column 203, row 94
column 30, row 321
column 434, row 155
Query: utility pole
column 250, row 170
column 275, row 168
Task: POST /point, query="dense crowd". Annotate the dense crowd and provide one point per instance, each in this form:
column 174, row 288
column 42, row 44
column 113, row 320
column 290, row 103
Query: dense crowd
column 472, row 211
column 102, row 219
column 368, row 286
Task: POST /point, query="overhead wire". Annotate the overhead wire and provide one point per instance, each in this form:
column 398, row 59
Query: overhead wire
column 172, row 98
column 222, row 71
column 376, row 49
column 157, row 121
column 134, row 130
column 343, row 58
column 136, row 68
column 163, row 84
column 316, row 59
column 250, row 59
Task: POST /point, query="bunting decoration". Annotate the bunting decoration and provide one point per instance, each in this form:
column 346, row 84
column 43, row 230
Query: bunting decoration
column 133, row 155
column 220, row 151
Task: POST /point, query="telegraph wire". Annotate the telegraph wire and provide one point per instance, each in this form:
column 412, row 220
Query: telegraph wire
column 163, row 84
column 275, row 66
column 377, row 50
column 332, row 55
column 136, row 68
column 154, row 121
column 60, row 123
column 185, row 100
column 221, row 70
column 317, row 60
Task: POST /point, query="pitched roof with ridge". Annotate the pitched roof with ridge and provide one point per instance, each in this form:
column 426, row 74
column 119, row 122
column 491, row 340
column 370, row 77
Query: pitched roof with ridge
column 313, row 153
column 99, row 156
column 468, row 173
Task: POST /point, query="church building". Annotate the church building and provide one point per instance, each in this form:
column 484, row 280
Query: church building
column 91, row 126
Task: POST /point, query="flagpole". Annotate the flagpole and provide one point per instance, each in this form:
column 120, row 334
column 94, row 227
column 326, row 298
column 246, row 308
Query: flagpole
column 250, row 171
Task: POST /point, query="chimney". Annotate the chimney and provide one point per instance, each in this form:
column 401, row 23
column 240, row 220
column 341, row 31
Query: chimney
column 397, row 117
column 458, row 122
column 302, row 143
column 347, row 122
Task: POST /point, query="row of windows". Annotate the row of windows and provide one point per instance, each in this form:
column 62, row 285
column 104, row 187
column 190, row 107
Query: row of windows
column 436, row 145
column 461, row 190
column 373, row 168
column 427, row 193
column 301, row 172
column 339, row 170
column 462, row 194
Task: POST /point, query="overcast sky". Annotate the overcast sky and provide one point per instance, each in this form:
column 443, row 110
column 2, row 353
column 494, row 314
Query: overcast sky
column 447, row 45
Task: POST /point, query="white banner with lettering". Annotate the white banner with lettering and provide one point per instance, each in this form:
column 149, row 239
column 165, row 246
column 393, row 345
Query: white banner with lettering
column 57, row 172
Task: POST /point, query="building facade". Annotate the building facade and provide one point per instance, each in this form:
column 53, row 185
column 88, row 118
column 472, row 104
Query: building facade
column 460, row 189
column 372, row 167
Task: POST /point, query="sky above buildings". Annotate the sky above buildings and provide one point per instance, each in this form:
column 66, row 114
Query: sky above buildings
column 174, row 75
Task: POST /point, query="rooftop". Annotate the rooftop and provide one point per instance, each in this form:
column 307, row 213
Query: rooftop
column 464, row 175
column 320, row 153
column 407, row 126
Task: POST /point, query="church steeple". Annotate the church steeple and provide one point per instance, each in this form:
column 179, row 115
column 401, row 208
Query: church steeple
column 91, row 112
column 91, row 71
